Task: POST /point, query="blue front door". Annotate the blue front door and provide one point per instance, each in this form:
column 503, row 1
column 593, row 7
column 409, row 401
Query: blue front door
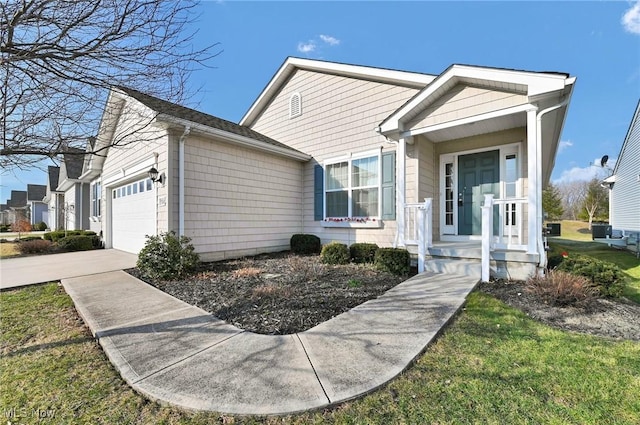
column 478, row 174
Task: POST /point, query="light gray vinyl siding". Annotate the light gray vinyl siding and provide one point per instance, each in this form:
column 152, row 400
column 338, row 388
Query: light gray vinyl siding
column 339, row 117
column 625, row 193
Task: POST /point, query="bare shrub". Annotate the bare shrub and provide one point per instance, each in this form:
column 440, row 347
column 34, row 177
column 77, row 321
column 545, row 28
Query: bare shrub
column 306, row 267
column 270, row 290
column 247, row 272
column 560, row 288
column 36, row 246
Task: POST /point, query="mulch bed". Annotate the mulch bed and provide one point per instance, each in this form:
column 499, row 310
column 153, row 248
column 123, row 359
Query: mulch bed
column 278, row 294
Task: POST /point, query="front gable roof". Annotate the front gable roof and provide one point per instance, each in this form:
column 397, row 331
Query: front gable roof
column 70, row 168
column 528, row 83
column 36, row 192
column 54, row 174
column 18, row 199
column 292, row 64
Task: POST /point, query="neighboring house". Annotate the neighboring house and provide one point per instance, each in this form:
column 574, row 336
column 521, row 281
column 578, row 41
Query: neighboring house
column 346, row 152
column 18, row 207
column 54, row 200
column 76, row 192
column 4, row 214
column 37, row 207
column 624, row 187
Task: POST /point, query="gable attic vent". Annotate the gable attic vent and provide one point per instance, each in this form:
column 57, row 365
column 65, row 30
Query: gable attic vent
column 295, row 105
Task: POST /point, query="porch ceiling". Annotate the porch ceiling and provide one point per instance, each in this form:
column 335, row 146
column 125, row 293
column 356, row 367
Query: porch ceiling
column 476, row 128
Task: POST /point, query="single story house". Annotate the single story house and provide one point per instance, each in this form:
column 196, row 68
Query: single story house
column 624, row 187
column 350, row 153
column 37, row 207
column 18, row 208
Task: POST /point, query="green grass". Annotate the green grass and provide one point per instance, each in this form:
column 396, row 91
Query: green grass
column 493, row 365
column 573, row 242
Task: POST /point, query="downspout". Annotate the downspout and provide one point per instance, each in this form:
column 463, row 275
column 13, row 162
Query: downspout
column 186, row 132
column 541, row 250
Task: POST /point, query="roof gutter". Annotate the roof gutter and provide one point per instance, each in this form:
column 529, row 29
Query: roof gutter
column 236, row 138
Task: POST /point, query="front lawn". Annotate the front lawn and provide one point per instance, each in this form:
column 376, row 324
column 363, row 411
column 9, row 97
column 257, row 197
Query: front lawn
column 492, row 365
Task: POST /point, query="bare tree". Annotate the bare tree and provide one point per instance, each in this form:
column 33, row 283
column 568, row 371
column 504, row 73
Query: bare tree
column 59, row 58
column 572, row 194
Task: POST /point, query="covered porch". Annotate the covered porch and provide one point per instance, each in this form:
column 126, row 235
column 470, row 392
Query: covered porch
column 475, row 149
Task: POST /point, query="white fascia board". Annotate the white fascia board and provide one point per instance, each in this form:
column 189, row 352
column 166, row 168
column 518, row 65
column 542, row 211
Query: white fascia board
column 353, row 71
column 67, row 184
column 536, row 83
column 236, row 138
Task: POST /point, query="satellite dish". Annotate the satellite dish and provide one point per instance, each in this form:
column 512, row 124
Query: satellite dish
column 603, row 161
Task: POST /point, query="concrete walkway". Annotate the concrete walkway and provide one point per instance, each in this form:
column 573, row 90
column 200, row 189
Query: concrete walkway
column 178, row 354
column 15, row 272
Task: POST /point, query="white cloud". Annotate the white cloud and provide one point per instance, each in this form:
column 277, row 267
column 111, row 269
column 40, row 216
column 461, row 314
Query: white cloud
column 329, row 39
column 586, row 173
column 564, row 144
column 307, row 47
column 631, row 19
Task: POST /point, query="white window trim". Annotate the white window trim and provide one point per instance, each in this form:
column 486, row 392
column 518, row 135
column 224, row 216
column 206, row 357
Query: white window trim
column 297, row 113
column 349, row 221
column 95, row 201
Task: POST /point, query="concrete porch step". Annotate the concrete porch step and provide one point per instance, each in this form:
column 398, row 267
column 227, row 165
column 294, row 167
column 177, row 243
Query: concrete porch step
column 453, row 266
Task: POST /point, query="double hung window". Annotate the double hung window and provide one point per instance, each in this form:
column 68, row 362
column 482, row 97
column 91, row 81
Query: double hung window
column 352, row 187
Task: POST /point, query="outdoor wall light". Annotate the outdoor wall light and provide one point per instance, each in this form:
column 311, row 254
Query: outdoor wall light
column 153, row 175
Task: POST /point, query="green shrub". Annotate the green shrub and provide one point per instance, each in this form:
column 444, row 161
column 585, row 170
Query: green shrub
column 40, row 226
column 363, row 252
column 303, row 244
column 561, row 288
column 34, row 246
column 30, row 238
column 335, row 253
column 605, row 276
column 392, row 260
column 59, row 234
column 96, row 241
column 167, row 256
column 4, row 228
column 76, row 243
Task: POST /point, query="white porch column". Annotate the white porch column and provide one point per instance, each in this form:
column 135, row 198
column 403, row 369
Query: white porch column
column 401, row 192
column 532, row 183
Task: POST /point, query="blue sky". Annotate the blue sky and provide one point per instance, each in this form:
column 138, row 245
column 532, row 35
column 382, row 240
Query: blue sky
column 598, row 42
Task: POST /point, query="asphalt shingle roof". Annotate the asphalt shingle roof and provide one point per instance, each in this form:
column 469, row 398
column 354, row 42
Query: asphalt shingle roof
column 74, row 163
column 182, row 112
column 35, row 192
column 18, row 199
column 54, row 176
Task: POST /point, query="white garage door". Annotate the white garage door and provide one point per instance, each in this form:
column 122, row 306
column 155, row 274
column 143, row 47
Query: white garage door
column 133, row 215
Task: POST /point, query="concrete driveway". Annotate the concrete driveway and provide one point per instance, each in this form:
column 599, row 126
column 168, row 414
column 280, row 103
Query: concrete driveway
column 23, row 271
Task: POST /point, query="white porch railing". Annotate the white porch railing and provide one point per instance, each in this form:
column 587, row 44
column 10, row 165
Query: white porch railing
column 419, row 228
column 510, row 234
column 510, row 225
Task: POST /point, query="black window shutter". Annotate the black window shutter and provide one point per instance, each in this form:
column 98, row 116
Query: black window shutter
column 389, row 186
column 318, row 193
